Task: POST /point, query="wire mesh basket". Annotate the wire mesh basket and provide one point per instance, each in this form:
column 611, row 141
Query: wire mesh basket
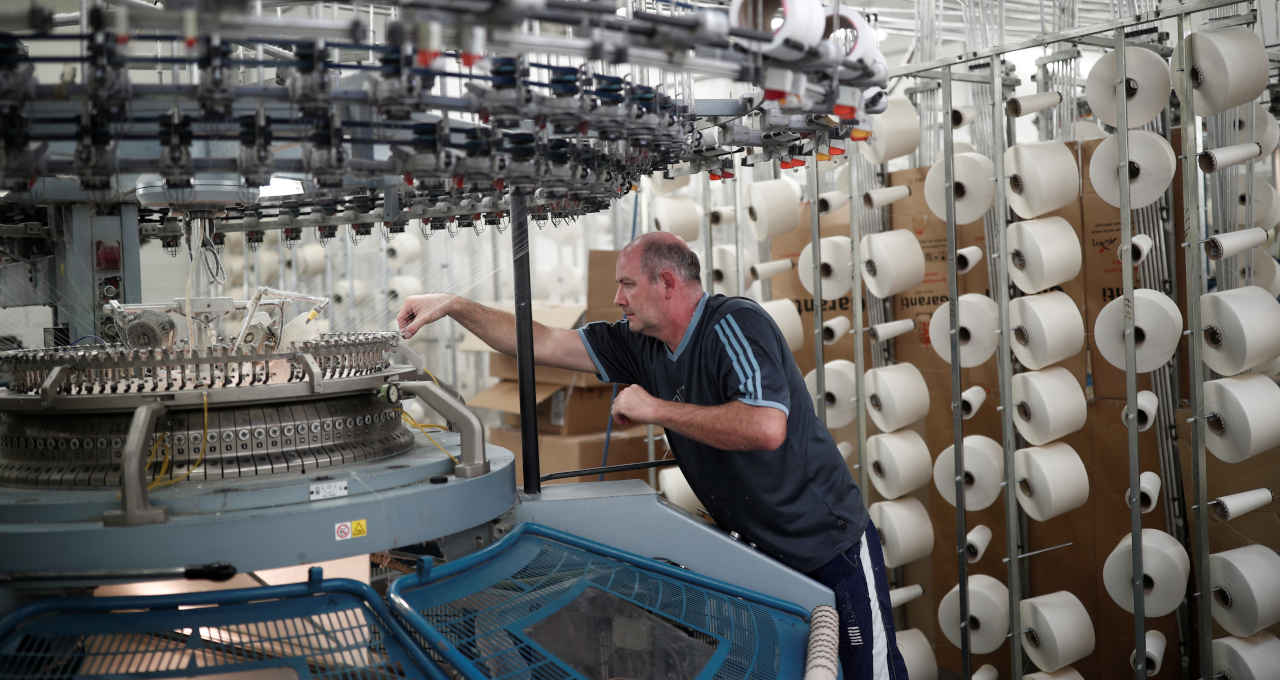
column 336, row 628
column 543, row 605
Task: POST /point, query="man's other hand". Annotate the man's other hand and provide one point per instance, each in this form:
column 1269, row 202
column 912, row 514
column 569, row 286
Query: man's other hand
column 634, row 405
column 420, row 310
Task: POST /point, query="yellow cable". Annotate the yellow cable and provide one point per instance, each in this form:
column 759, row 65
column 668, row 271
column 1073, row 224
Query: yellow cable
column 204, row 447
column 423, row 429
column 204, row 437
column 155, row 443
column 433, row 441
column 164, row 467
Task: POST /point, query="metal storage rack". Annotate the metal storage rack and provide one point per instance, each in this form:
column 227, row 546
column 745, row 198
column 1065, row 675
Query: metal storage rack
column 1194, row 237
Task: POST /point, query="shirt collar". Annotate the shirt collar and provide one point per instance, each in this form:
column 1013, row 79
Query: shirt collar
column 688, row 332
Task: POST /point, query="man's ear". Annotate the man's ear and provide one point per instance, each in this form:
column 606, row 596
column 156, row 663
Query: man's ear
column 669, row 282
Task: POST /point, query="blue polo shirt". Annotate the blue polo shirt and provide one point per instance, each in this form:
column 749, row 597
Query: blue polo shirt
column 798, row 502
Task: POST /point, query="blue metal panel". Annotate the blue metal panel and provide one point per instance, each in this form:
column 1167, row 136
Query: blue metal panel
column 468, row 608
column 265, row 537
column 630, row 516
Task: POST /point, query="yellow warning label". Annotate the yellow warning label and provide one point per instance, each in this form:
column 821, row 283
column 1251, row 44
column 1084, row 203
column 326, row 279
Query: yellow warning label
column 359, row 528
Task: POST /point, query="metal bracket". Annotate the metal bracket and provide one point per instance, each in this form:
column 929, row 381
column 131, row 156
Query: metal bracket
column 474, row 463
column 135, row 507
column 52, row 382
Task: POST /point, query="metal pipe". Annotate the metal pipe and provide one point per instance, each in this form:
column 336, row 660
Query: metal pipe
column 815, row 246
column 859, row 384
column 1192, row 236
column 524, row 343
column 1165, row 381
column 270, row 50
column 607, row 469
column 1004, row 365
column 137, row 4
column 1247, row 257
column 63, row 19
column 741, row 262
column 708, row 253
column 1130, row 360
column 957, row 422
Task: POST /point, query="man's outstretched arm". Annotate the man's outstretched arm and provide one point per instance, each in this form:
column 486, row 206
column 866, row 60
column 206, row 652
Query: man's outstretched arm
column 551, row 346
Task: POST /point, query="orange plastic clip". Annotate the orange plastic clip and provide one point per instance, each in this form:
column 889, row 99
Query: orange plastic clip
column 425, row 57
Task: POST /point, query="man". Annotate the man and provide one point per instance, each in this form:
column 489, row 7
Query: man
column 716, row 374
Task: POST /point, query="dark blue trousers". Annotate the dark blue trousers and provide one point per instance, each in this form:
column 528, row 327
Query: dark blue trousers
column 868, row 644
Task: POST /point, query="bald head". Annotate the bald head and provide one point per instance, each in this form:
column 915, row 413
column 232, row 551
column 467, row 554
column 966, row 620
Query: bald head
column 659, row 251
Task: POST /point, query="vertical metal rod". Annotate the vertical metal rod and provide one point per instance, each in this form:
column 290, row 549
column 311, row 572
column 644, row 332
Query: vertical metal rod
column 855, row 235
column 348, row 260
column 451, row 345
column 1246, row 258
column 130, row 261
column 1022, row 529
column 999, row 263
column 735, row 190
column 329, row 311
column 708, row 258
column 815, row 248
column 642, row 220
column 524, row 343
column 1165, row 382
column 957, row 422
column 1193, row 235
column 1130, row 356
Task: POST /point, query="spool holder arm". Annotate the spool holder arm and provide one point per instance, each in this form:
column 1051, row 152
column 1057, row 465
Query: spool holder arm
column 459, row 416
column 135, row 507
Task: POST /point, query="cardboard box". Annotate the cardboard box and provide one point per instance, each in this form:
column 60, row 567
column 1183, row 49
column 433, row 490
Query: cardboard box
column 601, row 278
column 920, row 302
column 562, row 410
column 560, row 453
column 505, row 367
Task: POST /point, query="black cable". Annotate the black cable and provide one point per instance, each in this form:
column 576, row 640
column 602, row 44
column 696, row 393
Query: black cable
column 353, row 67
column 357, row 46
column 268, row 63
column 451, row 74
column 214, row 267
column 162, row 60
column 53, row 60
column 49, row 36
column 748, row 112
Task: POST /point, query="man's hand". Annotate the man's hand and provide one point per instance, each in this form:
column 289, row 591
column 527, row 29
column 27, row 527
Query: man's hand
column 420, row 310
column 634, row 405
